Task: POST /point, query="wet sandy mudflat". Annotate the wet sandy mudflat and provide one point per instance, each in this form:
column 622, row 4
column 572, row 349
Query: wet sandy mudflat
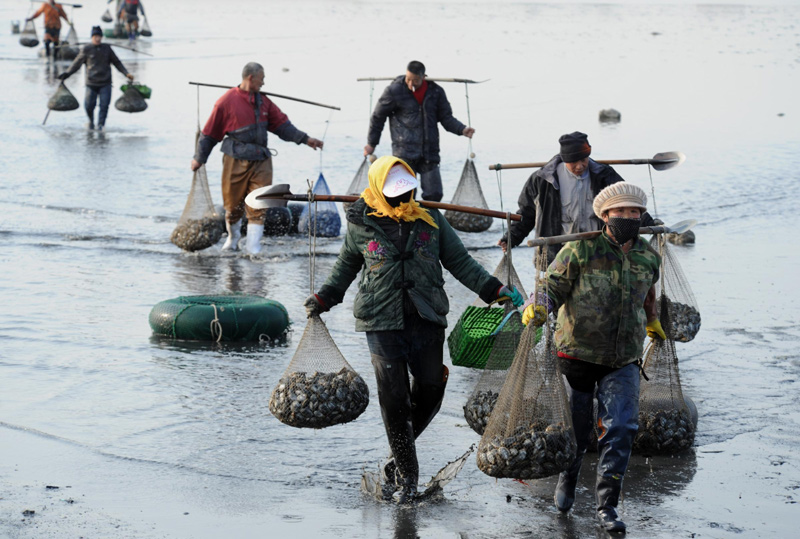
column 146, row 438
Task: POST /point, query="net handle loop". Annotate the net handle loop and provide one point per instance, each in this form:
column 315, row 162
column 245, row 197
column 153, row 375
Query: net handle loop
column 216, row 326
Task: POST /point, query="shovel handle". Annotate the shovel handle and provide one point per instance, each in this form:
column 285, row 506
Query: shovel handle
column 551, row 240
column 424, row 203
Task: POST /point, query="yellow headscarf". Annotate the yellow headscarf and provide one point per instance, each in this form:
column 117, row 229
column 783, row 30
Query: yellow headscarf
column 373, row 195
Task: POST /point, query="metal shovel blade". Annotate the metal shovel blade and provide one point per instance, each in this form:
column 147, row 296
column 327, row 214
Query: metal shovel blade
column 667, row 160
column 683, row 226
column 253, row 201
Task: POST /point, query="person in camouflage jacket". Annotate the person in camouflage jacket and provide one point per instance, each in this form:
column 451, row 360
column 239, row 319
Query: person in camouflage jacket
column 400, row 249
column 604, row 292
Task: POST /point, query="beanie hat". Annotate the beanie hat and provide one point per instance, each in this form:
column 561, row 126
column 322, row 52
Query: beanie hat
column 574, row 147
column 619, row 195
column 97, row 31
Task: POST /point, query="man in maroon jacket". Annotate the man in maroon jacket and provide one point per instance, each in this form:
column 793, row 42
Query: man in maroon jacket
column 242, row 117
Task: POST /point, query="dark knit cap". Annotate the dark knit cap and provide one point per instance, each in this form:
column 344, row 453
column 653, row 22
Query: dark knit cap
column 574, row 147
column 97, row 31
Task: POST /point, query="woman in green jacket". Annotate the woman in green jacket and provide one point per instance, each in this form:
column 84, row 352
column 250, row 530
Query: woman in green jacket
column 400, row 249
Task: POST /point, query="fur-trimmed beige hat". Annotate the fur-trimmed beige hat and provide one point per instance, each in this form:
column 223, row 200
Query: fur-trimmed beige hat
column 619, row 195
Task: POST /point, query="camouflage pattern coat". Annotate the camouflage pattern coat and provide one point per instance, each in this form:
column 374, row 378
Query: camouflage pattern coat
column 599, row 292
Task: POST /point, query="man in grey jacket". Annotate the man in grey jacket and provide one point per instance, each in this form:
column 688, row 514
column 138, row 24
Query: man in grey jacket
column 415, row 106
column 98, row 58
column 557, row 198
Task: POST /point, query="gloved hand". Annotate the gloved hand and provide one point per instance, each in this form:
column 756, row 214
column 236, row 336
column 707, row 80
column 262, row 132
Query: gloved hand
column 62, row 76
column 314, row 305
column 658, row 222
column 655, row 331
column 537, row 313
column 513, row 294
column 542, row 299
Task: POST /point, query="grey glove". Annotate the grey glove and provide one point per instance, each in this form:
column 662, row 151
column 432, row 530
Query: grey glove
column 314, row 305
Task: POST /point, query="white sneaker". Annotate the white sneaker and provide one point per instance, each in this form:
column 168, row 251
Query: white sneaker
column 234, row 235
column 254, row 234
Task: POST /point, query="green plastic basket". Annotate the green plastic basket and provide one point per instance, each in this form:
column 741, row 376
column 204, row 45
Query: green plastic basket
column 141, row 88
column 471, row 339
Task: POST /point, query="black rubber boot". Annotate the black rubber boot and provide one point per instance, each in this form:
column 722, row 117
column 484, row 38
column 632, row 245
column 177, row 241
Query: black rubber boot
column 407, row 492
column 608, row 489
column 426, row 401
column 581, row 406
column 565, row 489
column 395, row 402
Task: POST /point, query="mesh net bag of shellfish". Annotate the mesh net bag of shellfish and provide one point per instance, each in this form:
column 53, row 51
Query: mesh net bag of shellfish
column 131, row 101
column 28, row 37
column 682, row 311
column 323, row 218
column 63, row 99
column 319, row 388
column 469, row 193
column 666, row 423
column 481, row 402
column 200, row 226
column 529, row 433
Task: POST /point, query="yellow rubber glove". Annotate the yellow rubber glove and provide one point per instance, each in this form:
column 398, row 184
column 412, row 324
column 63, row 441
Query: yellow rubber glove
column 654, row 330
column 537, row 313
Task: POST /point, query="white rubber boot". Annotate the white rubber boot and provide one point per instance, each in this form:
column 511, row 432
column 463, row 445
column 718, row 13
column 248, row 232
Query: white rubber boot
column 254, row 233
column 234, row 235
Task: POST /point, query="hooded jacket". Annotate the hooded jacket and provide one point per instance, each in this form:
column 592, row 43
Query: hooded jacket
column 414, row 128
column 540, row 202
column 98, row 60
column 388, row 275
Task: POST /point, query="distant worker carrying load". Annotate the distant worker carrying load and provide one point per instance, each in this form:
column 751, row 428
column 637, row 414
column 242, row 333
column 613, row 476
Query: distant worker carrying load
column 98, row 58
column 557, row 198
column 242, row 116
column 400, row 247
column 603, row 290
column 415, row 106
column 53, row 13
column 129, row 12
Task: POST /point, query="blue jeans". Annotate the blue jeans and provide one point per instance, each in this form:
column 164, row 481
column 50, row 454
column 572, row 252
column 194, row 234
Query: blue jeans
column 92, row 93
column 617, row 411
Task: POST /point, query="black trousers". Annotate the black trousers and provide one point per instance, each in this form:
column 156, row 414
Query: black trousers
column 411, row 380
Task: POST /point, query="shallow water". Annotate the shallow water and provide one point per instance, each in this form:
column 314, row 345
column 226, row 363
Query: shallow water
column 149, row 429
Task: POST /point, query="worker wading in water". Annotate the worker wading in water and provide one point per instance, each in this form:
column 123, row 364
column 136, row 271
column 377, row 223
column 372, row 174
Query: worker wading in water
column 400, row 249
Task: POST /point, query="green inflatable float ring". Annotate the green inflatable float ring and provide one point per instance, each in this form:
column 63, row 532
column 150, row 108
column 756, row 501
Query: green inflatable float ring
column 219, row 318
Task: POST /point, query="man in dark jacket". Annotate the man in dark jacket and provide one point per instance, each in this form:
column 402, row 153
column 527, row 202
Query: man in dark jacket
column 98, row 58
column 400, row 249
column 415, row 106
column 557, row 198
column 242, row 117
